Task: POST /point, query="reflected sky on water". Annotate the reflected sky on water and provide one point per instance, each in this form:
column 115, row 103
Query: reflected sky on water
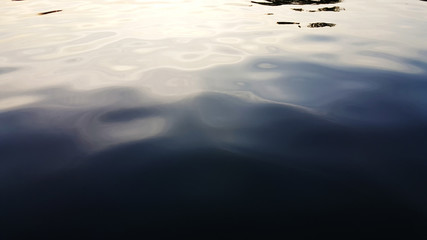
column 284, row 117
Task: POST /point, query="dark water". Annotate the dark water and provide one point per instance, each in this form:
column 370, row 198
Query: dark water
column 118, row 120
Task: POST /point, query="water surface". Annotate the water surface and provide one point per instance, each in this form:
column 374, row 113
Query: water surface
column 293, row 118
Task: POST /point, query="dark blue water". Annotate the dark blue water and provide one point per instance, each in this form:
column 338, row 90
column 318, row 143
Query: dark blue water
column 264, row 130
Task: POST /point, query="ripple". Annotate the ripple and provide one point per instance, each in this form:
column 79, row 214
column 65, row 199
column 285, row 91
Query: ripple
column 266, row 66
column 4, row 70
column 19, row 101
column 118, row 106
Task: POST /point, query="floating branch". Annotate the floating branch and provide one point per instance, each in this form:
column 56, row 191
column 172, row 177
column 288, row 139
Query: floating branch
column 54, row 11
column 286, row 23
column 321, row 24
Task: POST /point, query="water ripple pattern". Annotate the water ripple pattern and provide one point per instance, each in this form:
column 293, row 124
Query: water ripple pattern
column 237, row 110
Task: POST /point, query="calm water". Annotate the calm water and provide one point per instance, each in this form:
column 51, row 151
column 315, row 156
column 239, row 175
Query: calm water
column 219, row 118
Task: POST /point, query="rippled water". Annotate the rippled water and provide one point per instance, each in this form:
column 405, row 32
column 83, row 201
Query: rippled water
column 182, row 116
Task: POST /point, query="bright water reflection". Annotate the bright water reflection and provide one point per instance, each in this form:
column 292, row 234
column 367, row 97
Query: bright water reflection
column 183, row 114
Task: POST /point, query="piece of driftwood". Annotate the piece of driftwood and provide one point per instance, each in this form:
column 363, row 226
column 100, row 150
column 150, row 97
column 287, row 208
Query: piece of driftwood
column 321, row 24
column 49, row 12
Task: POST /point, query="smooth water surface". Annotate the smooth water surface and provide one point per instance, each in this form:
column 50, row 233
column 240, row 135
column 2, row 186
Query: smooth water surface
column 295, row 118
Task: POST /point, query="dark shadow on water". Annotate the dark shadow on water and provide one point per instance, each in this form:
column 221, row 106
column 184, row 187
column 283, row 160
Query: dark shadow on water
column 224, row 165
column 127, row 114
column 4, row 70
